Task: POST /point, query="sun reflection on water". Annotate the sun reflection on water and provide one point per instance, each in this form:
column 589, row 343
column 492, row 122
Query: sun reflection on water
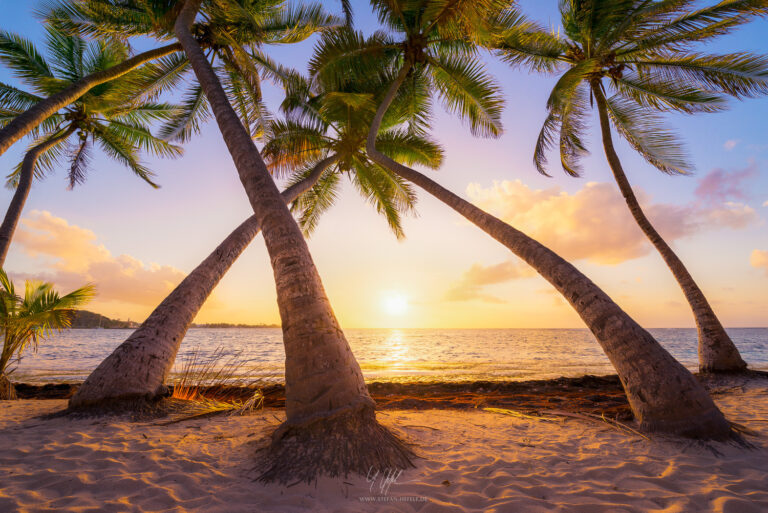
column 396, row 349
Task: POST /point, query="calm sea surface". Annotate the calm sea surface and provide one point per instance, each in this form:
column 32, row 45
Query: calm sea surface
column 390, row 354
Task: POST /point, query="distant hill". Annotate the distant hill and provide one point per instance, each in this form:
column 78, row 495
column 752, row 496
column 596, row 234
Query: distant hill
column 227, row 325
column 89, row 320
column 84, row 319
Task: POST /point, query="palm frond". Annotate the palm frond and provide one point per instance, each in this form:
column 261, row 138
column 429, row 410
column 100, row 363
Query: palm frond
column 293, row 145
column 342, row 56
column 79, row 163
column 468, row 90
column 645, row 132
column 545, row 142
column 193, row 112
column 690, row 27
column 138, row 136
column 741, row 75
column 388, row 194
column 310, row 206
column 535, row 50
column 116, row 147
column 14, row 99
column 409, row 148
column 24, row 60
column 573, row 124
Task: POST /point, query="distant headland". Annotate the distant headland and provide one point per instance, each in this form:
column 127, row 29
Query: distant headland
column 84, row 319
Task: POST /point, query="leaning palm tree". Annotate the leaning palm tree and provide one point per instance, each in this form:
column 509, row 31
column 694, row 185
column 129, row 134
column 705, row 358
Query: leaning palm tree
column 26, row 321
column 137, row 369
column 641, row 52
column 330, row 425
column 114, row 116
column 663, row 394
column 330, row 415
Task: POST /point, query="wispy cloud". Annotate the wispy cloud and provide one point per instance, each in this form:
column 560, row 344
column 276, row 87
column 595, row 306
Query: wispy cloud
column 730, row 144
column 470, row 286
column 720, row 186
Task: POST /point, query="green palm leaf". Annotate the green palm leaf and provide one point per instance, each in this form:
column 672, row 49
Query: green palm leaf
column 648, row 136
column 466, row 89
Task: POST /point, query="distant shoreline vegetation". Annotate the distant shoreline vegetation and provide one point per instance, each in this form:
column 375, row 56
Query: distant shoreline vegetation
column 84, row 319
column 227, row 325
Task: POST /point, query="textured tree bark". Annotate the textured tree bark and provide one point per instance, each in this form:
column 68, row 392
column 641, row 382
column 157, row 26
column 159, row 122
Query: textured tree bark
column 27, row 176
column 7, row 390
column 325, row 390
column 137, row 369
column 28, row 120
column 717, row 352
column 664, row 396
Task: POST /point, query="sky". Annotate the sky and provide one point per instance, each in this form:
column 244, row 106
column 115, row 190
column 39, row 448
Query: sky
column 136, row 243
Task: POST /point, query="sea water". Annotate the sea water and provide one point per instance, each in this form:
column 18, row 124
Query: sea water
column 386, row 354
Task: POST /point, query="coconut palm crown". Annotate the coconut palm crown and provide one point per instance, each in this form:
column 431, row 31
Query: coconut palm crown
column 434, row 41
column 115, row 116
column 642, row 53
column 321, row 122
column 233, row 32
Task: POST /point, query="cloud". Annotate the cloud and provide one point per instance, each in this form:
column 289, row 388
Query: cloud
column 719, row 186
column 594, row 223
column 473, row 280
column 759, row 260
column 72, row 257
column 765, row 204
column 730, row 144
column 733, row 215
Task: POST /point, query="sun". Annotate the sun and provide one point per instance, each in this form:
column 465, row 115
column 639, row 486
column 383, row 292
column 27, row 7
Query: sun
column 394, row 303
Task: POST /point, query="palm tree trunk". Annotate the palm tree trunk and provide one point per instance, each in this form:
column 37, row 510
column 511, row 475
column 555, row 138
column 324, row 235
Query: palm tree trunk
column 664, row 396
column 137, row 369
column 330, row 423
column 7, row 390
column 25, row 122
column 717, row 352
column 26, row 177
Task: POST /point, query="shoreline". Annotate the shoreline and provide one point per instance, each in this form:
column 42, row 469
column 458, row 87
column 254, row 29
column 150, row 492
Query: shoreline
column 598, row 395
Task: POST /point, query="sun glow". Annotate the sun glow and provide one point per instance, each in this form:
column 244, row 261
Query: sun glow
column 394, row 303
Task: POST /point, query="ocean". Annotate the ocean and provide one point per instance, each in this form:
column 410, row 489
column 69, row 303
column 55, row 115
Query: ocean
column 387, row 354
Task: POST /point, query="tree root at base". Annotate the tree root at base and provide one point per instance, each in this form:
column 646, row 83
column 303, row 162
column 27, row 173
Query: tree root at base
column 352, row 442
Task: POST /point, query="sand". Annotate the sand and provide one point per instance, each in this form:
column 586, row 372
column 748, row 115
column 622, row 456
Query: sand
column 471, row 460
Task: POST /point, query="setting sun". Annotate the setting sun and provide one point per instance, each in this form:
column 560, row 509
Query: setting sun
column 394, row 303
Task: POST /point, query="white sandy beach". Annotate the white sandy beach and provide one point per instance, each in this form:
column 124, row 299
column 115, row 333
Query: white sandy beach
column 470, row 461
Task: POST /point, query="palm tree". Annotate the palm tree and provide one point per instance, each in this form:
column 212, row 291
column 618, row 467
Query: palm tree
column 138, row 367
column 330, row 417
column 233, row 33
column 26, row 321
column 663, row 395
column 119, row 20
column 20, row 54
column 641, row 51
column 113, row 115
